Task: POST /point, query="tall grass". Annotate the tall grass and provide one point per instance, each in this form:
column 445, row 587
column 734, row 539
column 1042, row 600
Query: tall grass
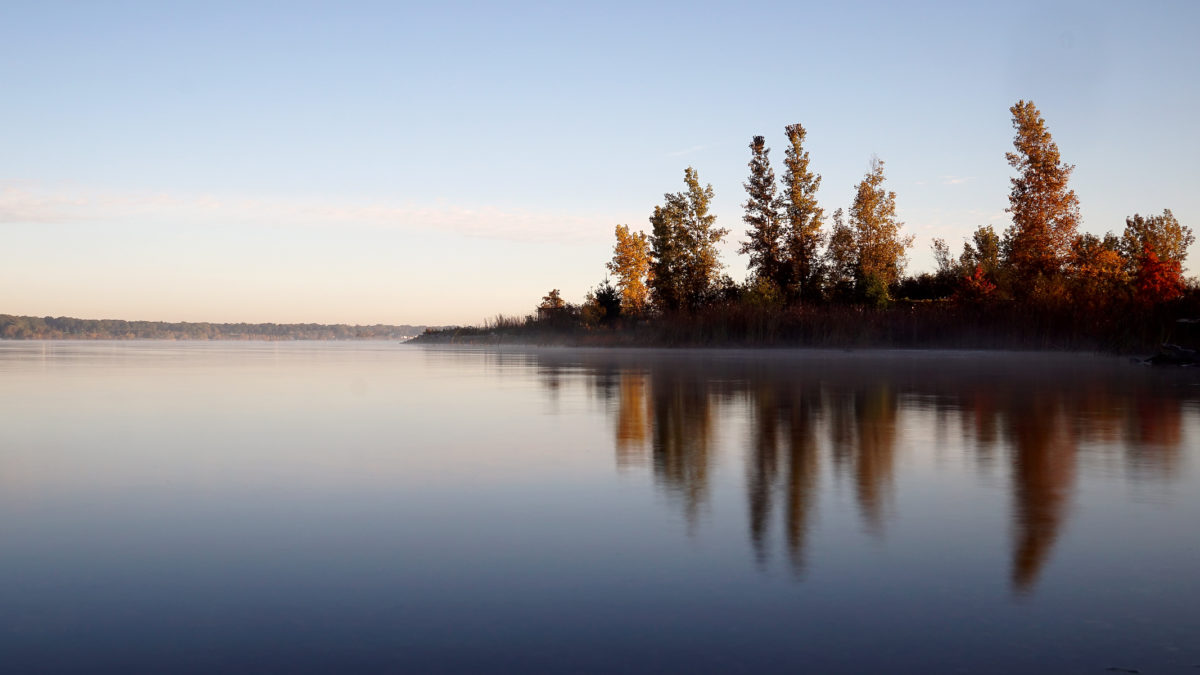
column 1115, row 327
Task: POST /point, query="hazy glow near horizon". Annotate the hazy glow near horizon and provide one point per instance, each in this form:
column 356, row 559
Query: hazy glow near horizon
column 375, row 163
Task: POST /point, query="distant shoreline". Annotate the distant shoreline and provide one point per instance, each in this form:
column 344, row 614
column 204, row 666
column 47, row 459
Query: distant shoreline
column 68, row 328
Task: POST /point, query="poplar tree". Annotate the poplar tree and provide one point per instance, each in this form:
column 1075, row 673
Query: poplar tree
column 802, row 236
column 765, row 233
column 841, row 257
column 1045, row 212
column 702, row 262
column 684, row 237
column 666, row 264
column 880, row 247
column 631, row 265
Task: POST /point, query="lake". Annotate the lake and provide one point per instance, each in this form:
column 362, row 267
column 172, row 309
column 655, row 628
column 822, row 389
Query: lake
column 363, row 506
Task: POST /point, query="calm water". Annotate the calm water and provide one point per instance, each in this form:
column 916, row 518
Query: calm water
column 174, row 507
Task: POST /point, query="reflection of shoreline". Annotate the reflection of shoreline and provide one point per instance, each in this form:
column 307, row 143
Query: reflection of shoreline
column 1034, row 421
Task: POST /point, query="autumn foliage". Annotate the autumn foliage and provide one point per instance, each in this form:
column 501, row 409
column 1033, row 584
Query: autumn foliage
column 631, row 265
column 1044, row 209
column 1040, row 283
column 1157, row 280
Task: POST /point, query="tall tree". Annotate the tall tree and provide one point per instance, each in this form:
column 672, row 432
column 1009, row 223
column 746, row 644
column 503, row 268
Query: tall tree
column 765, row 233
column 802, row 235
column 880, row 247
column 1044, row 210
column 684, row 237
column 702, row 236
column 631, row 265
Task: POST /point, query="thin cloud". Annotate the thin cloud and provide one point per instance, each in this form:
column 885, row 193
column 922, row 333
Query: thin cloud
column 25, row 205
column 687, row 151
column 956, row 180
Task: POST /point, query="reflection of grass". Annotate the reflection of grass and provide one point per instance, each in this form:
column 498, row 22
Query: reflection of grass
column 903, row 325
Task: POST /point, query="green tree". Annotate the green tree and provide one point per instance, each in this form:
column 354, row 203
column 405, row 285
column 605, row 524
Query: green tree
column 841, row 257
column 1045, row 211
column 982, row 252
column 665, row 280
column 686, row 268
column 802, row 237
column 765, row 233
column 631, row 264
column 947, row 266
column 602, row 305
column 879, row 246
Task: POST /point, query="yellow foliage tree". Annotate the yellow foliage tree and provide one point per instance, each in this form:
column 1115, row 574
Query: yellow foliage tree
column 879, row 246
column 631, row 265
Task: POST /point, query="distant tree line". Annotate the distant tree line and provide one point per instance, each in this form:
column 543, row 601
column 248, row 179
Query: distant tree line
column 55, row 328
column 1040, row 271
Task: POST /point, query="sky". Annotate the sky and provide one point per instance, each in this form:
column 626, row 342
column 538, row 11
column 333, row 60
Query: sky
column 442, row 163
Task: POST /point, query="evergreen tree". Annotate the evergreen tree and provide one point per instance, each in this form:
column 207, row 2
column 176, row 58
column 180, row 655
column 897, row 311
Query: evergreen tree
column 765, row 233
column 802, row 236
column 1044, row 210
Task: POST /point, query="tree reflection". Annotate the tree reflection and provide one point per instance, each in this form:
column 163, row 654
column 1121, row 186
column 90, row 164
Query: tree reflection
column 1038, row 423
column 783, row 439
column 1043, row 474
column 633, row 420
column 875, row 451
column 800, row 412
column 763, row 463
column 681, row 429
column 1154, row 424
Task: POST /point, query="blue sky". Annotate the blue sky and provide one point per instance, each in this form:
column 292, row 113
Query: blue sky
column 445, row 162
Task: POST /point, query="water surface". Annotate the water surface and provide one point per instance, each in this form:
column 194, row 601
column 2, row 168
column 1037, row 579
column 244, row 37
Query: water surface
column 175, row 507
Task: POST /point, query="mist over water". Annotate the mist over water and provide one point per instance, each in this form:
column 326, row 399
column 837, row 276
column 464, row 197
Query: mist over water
column 349, row 506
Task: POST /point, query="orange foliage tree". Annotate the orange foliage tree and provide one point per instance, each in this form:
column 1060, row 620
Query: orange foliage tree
column 1044, row 210
column 1157, row 280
